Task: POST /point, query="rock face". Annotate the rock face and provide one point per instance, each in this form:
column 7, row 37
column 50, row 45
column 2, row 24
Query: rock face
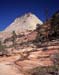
column 26, row 54
column 24, row 23
column 24, row 61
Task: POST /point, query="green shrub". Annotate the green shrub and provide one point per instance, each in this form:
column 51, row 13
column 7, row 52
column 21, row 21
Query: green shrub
column 49, row 70
column 3, row 50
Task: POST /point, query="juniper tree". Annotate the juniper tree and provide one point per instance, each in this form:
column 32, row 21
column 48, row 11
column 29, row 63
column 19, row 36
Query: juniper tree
column 3, row 49
column 14, row 38
column 55, row 59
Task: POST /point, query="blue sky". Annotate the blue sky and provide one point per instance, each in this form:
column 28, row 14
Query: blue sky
column 10, row 9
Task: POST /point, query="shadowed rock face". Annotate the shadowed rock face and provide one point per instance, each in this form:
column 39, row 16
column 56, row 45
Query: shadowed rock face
column 55, row 22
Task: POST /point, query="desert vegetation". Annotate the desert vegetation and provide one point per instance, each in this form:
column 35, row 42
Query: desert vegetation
column 3, row 50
